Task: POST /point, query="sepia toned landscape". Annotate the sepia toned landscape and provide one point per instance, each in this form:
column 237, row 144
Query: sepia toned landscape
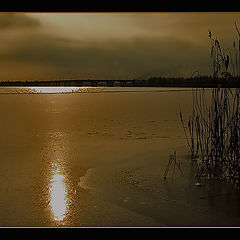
column 119, row 120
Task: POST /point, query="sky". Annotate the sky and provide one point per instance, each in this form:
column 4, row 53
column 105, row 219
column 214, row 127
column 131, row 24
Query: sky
column 52, row 46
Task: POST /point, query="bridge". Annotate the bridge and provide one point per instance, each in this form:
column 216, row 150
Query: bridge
column 74, row 83
column 204, row 81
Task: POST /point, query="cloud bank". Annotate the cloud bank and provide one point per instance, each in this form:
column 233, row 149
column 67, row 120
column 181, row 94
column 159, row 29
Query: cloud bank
column 33, row 47
column 13, row 21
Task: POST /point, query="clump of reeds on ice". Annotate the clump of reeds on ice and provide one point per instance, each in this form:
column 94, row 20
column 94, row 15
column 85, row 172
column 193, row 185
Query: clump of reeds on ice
column 213, row 129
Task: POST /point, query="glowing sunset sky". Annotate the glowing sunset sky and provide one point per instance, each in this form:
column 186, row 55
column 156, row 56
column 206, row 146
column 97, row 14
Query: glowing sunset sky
column 36, row 46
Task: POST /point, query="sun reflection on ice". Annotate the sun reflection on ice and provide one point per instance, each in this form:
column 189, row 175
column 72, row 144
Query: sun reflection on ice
column 58, row 194
column 57, row 89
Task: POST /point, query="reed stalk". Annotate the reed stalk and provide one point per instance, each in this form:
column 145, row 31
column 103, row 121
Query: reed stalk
column 213, row 128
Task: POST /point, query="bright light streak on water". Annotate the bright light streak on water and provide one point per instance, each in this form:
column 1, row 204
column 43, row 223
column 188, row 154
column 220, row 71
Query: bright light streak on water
column 62, row 89
column 57, row 89
column 58, row 195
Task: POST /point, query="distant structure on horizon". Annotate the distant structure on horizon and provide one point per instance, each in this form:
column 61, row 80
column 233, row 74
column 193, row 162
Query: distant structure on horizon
column 201, row 81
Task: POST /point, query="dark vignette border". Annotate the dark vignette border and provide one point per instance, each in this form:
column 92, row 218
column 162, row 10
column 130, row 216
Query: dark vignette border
column 119, row 6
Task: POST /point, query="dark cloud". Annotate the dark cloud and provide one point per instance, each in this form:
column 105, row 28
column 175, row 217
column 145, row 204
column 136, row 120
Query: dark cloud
column 97, row 46
column 133, row 57
column 14, row 20
column 115, row 45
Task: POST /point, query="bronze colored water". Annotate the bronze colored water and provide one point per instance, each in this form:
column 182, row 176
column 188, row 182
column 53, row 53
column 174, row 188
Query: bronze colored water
column 98, row 159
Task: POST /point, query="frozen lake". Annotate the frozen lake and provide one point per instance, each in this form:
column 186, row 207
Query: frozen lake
column 96, row 157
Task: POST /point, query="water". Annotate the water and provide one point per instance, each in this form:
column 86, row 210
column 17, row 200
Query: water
column 32, row 89
column 98, row 160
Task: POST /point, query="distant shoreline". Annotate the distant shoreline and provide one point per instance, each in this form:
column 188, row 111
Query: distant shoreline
column 197, row 82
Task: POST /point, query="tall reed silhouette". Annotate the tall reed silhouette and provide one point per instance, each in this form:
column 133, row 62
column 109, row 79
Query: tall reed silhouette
column 213, row 128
